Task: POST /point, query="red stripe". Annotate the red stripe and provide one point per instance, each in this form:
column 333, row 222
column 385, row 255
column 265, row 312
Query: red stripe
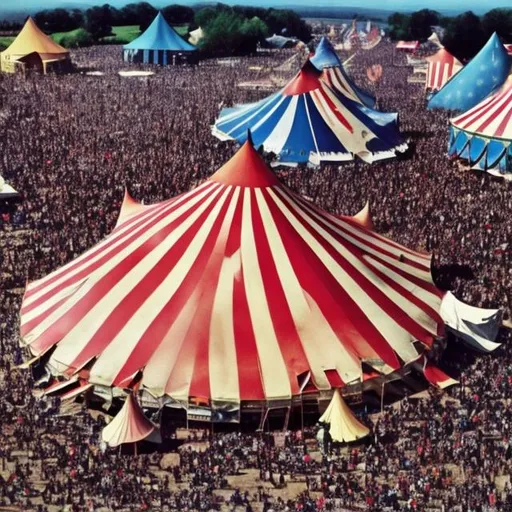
column 103, row 245
column 249, row 374
column 379, row 297
column 335, row 222
column 334, row 109
column 481, row 109
column 102, row 248
column 499, row 108
column 196, row 277
column 504, row 123
column 131, row 301
column 285, row 329
column 347, row 320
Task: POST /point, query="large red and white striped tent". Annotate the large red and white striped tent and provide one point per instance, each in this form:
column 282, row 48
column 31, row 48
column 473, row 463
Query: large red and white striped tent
column 441, row 67
column 239, row 290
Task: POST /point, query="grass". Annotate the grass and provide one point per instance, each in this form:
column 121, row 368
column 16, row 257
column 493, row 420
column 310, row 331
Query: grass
column 5, row 41
column 121, row 35
column 58, row 36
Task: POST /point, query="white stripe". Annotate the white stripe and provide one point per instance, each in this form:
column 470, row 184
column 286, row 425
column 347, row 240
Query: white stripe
column 413, row 311
column 396, row 336
column 372, row 238
column 119, row 349
column 118, row 237
column 309, row 321
column 143, row 234
column 222, row 355
column 86, row 327
column 277, row 138
column 273, row 369
column 245, row 119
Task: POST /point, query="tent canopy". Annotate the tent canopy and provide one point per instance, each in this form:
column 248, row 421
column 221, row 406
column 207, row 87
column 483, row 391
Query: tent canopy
column 32, row 39
column 160, row 36
column 483, row 134
column 129, row 425
column 277, row 41
column 235, row 291
column 307, row 121
column 482, row 76
column 441, row 67
column 326, row 59
column 196, row 36
column 344, row 427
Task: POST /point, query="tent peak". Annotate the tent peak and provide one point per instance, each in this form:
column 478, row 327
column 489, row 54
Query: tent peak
column 246, row 168
column 325, row 55
column 306, row 80
column 364, row 217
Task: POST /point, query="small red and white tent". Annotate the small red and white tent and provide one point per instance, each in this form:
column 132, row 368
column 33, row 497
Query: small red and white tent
column 508, row 47
column 239, row 290
column 129, row 425
column 441, row 67
column 409, row 46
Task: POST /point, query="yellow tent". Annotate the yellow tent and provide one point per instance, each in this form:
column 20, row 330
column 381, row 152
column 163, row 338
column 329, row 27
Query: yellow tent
column 344, row 426
column 29, row 41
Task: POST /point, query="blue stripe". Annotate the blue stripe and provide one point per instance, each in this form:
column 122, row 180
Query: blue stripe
column 260, row 135
column 245, row 114
column 476, row 149
column 300, row 141
column 325, row 138
column 495, row 152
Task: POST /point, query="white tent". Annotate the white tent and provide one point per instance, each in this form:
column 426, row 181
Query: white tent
column 130, row 425
column 6, row 191
column 477, row 327
column 344, row 427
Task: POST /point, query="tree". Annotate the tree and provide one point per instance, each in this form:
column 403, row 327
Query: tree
column 421, row 22
column 56, row 20
column 464, row 36
column 399, row 26
column 229, row 33
column 98, row 21
column 178, row 14
column 499, row 21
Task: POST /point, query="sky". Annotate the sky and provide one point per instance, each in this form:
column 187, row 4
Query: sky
column 392, row 5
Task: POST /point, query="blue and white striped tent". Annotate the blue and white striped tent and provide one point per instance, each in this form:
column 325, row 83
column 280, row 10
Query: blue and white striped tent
column 159, row 44
column 326, row 59
column 308, row 121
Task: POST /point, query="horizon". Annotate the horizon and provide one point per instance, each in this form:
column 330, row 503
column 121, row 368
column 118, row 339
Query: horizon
column 446, row 6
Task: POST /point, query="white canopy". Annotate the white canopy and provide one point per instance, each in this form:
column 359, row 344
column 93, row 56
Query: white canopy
column 344, row 426
column 129, row 426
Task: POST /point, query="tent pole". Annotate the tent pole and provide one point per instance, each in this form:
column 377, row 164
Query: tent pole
column 382, row 397
column 287, row 419
column 301, row 416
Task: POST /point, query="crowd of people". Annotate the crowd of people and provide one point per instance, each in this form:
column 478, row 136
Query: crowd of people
column 71, row 144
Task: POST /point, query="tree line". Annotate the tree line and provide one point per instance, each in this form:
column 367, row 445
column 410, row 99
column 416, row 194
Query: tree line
column 465, row 34
column 227, row 30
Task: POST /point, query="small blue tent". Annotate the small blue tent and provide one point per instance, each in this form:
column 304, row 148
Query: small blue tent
column 159, row 44
column 481, row 77
column 327, row 60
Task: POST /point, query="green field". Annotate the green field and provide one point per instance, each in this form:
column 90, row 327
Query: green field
column 121, row 35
